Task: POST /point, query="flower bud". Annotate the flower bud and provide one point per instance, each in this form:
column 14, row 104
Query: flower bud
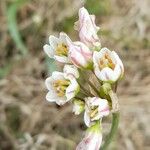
column 78, row 106
column 80, row 55
column 92, row 139
column 87, row 29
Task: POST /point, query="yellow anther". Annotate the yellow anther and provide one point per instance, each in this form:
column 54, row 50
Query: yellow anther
column 61, row 50
column 61, row 83
column 93, row 112
column 60, row 87
column 106, row 61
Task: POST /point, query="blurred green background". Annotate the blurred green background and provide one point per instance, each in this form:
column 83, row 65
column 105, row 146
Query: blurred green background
column 27, row 120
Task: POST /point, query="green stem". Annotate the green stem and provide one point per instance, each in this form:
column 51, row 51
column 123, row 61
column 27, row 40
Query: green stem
column 85, row 91
column 93, row 87
column 114, row 127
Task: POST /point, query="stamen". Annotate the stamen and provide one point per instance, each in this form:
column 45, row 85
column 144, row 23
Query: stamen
column 94, row 112
column 60, row 87
column 62, row 50
column 106, row 61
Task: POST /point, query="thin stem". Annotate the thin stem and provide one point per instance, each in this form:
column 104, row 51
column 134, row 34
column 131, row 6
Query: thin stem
column 114, row 127
column 115, row 87
column 85, row 92
column 114, row 100
column 93, row 87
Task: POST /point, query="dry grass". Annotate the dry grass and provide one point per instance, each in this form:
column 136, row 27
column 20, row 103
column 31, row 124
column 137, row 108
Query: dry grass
column 27, row 121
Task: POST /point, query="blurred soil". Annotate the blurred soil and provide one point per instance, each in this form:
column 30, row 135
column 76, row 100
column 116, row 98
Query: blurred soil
column 27, row 120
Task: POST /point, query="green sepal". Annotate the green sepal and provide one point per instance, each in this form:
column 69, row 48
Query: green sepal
column 96, row 128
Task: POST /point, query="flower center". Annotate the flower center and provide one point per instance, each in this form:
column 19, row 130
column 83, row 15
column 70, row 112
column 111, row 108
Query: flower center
column 61, row 50
column 93, row 112
column 106, row 61
column 60, row 87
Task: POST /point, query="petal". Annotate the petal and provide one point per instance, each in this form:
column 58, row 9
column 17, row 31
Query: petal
column 58, row 75
column 96, row 57
column 49, row 50
column 103, row 108
column 72, row 89
column 117, row 60
column 117, row 72
column 49, row 82
column 94, row 101
column 87, row 119
column 55, row 76
column 61, row 100
column 83, row 13
column 103, row 51
column 74, row 57
column 93, row 21
column 92, row 139
column 51, row 96
column 62, row 59
column 63, row 37
column 107, row 74
column 53, row 41
column 71, row 71
column 79, row 54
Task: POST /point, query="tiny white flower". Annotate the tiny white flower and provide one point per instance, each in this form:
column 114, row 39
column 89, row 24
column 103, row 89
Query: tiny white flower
column 95, row 109
column 58, row 48
column 87, row 29
column 108, row 66
column 61, row 89
column 78, row 106
column 92, row 139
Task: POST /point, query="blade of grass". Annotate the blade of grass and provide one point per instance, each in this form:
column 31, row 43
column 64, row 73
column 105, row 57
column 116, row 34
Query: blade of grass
column 14, row 33
column 13, row 27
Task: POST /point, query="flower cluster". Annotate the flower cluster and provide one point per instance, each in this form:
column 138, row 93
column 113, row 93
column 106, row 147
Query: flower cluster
column 81, row 59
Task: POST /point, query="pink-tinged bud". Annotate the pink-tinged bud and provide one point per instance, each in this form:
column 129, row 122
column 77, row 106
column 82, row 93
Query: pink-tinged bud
column 88, row 29
column 92, row 139
column 80, row 55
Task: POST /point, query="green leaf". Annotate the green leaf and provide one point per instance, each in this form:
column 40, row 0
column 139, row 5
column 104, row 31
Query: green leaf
column 13, row 27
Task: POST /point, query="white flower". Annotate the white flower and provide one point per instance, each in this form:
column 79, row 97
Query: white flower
column 80, row 55
column 58, row 48
column 108, row 66
column 92, row 139
column 87, row 29
column 95, row 109
column 78, row 106
column 61, row 88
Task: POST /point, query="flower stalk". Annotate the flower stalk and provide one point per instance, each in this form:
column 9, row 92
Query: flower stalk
column 113, row 131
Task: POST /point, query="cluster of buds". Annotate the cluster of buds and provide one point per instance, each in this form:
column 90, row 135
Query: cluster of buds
column 82, row 59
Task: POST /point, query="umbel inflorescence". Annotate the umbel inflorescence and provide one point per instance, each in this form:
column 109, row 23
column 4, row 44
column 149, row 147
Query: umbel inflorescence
column 81, row 60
